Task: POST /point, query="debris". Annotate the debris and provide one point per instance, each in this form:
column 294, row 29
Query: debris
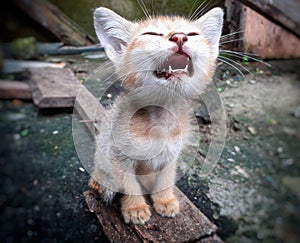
column 54, row 20
column 237, row 149
column 230, row 160
column 287, row 162
column 252, row 81
column 16, row 102
column 252, row 130
column 279, row 150
column 24, row 132
column 241, row 171
column 233, row 153
column 16, row 66
column 269, row 178
column 272, row 121
column 81, row 169
column 297, row 112
column 14, row 90
column 95, row 55
column 292, row 183
column 24, row 48
column 42, row 49
column 55, row 132
column 16, row 137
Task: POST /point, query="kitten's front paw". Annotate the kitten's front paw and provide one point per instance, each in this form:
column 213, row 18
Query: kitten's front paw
column 135, row 211
column 168, row 207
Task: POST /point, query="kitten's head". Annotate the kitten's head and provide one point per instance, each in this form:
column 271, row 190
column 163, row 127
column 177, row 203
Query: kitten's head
column 168, row 51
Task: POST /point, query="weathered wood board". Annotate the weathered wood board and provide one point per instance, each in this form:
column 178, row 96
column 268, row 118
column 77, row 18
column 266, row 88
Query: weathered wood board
column 189, row 226
column 277, row 12
column 53, row 87
column 14, row 90
column 89, row 109
column 50, row 17
column 258, row 34
column 267, row 39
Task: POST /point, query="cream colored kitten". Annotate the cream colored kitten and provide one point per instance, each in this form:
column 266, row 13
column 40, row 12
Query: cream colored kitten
column 164, row 63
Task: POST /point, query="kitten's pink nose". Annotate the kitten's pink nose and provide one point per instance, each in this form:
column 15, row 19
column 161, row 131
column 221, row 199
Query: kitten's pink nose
column 179, row 38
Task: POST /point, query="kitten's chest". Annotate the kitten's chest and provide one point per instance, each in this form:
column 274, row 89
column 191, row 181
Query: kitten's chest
column 163, row 134
column 156, row 124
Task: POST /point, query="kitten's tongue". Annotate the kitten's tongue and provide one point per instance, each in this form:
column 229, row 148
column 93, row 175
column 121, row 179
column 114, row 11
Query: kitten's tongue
column 176, row 64
column 176, row 61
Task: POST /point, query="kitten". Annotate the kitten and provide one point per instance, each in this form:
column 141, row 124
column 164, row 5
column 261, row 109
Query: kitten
column 164, row 63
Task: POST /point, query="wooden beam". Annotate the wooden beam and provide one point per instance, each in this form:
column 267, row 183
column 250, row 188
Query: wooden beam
column 89, row 109
column 14, row 90
column 274, row 14
column 50, row 17
column 189, row 226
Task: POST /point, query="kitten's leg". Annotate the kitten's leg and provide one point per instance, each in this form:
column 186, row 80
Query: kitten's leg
column 134, row 207
column 146, row 177
column 164, row 200
column 94, row 185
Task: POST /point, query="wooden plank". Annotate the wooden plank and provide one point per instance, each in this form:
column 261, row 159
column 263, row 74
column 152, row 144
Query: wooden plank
column 50, row 17
column 18, row 66
column 188, row 226
column 274, row 14
column 259, row 35
column 89, row 109
column 53, row 87
column 14, row 90
column 267, row 39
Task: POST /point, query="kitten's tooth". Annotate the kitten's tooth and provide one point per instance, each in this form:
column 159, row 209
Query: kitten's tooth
column 170, row 69
column 186, row 68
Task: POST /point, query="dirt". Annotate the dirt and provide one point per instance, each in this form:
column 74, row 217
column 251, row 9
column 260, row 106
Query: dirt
column 252, row 195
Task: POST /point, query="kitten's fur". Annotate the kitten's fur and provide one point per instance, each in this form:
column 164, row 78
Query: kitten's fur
column 156, row 116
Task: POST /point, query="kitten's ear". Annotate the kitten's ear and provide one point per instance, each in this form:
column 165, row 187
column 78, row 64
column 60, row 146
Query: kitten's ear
column 210, row 26
column 113, row 31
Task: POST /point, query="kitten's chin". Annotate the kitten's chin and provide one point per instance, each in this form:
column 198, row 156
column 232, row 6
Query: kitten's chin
column 177, row 66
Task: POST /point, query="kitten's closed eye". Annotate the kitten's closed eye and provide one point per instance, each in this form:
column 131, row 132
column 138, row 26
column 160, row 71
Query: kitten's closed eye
column 159, row 34
column 152, row 33
column 192, row 34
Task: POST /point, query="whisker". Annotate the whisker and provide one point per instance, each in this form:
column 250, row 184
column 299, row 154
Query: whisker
column 195, row 14
column 224, row 42
column 241, row 55
column 191, row 11
column 203, row 10
column 153, row 11
column 234, row 62
column 228, row 63
column 233, row 33
column 144, row 8
column 247, row 53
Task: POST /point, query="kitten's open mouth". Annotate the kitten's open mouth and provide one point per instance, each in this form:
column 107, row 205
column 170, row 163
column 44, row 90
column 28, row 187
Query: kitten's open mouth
column 177, row 64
